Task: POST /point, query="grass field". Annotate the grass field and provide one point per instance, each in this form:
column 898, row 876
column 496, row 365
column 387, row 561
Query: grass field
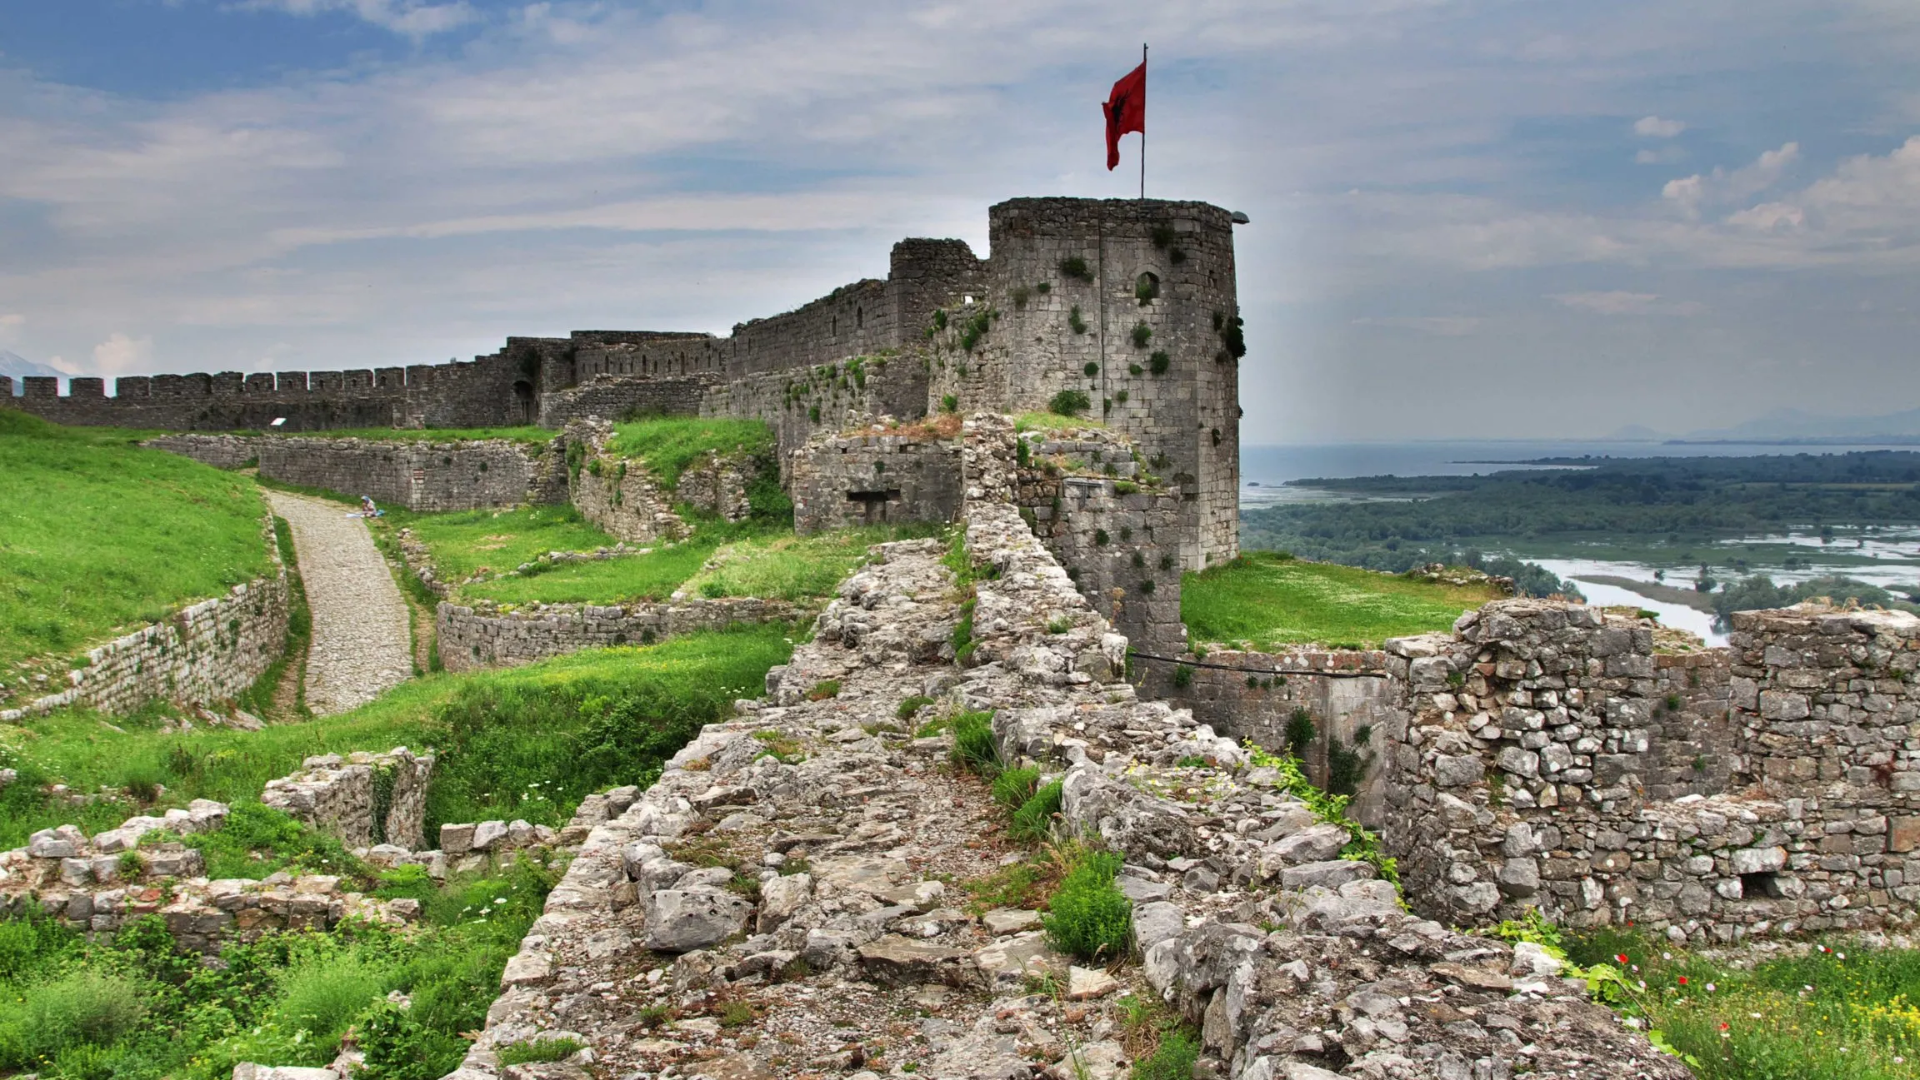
column 98, row 536
column 467, row 541
column 788, row 567
column 521, row 742
column 669, row 444
column 653, row 576
column 1270, row 600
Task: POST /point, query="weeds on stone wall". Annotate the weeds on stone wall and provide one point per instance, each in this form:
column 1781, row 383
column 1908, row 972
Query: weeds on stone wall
column 1076, row 268
column 1070, row 403
column 1141, row 334
column 1076, row 321
column 1328, row 807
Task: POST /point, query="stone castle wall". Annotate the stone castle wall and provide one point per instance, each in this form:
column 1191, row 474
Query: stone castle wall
column 478, row 637
column 874, row 478
column 207, row 652
column 1554, row 760
column 417, row 474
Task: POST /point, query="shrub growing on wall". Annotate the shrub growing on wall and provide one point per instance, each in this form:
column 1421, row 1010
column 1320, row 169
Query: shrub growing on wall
column 1070, row 403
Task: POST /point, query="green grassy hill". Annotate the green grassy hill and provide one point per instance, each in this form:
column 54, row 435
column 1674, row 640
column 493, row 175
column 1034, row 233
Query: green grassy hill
column 1272, row 600
column 99, row 536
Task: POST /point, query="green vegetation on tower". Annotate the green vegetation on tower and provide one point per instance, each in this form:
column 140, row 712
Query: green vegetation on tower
column 99, row 537
column 669, row 444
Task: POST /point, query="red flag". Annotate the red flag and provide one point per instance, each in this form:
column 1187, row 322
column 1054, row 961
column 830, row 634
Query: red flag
column 1126, row 110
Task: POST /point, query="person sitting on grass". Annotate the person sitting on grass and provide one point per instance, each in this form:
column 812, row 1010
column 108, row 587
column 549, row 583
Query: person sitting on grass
column 367, row 509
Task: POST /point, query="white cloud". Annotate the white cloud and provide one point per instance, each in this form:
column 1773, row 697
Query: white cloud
column 123, row 355
column 411, row 18
column 1720, row 186
column 1437, row 325
column 1653, row 127
column 1665, row 155
column 1617, row 302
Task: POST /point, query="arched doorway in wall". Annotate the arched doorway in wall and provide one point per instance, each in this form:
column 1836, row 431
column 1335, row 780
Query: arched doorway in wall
column 522, row 402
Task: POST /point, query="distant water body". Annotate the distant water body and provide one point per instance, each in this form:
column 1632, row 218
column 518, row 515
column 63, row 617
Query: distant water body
column 1270, row 466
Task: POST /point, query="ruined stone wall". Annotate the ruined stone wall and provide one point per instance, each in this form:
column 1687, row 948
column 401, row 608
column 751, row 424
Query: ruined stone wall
column 798, row 405
column 483, row 636
column 418, row 474
column 619, row 497
column 872, row 479
column 363, row 798
column 1116, row 530
column 1348, row 695
column 207, row 652
column 615, row 397
column 1553, row 760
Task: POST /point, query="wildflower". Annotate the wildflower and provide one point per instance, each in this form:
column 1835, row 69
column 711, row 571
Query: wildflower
column 1622, row 957
column 1711, row 988
column 1724, row 1025
column 1683, row 980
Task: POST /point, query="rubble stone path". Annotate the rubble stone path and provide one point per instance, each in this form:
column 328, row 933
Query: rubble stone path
column 360, row 632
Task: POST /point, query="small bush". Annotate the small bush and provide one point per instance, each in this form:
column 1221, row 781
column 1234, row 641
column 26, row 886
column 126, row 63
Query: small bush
column 910, row 706
column 82, row 1008
column 1159, row 362
column 1043, row 288
column 1012, row 788
column 1182, row 676
column 1034, row 818
column 1142, row 333
column 1092, row 369
column 540, row 1050
column 1070, row 403
column 1300, row 732
column 1076, row 321
column 973, row 745
column 1075, row 268
column 949, row 404
column 824, row 689
column 1090, row 917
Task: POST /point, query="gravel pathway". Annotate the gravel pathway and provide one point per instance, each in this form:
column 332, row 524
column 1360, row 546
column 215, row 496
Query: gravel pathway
column 360, row 635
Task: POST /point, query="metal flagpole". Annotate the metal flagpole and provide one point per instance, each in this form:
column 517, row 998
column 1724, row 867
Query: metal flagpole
column 1143, row 122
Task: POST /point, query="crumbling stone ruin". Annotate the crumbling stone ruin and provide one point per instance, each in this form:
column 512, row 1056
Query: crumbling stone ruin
column 856, row 838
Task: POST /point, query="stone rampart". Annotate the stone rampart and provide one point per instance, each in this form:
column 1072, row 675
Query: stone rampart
column 420, row 475
column 1554, row 760
column 873, row 478
column 620, row 497
column 363, row 798
column 207, row 652
column 478, row 637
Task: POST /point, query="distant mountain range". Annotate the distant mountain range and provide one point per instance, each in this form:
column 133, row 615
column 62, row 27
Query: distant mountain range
column 1796, row 426
column 12, row 363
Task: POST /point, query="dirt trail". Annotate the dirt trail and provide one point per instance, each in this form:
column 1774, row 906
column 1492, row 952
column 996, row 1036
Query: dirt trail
column 360, row 637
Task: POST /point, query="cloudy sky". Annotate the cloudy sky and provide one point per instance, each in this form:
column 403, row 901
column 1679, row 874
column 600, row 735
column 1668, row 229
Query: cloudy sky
column 1511, row 217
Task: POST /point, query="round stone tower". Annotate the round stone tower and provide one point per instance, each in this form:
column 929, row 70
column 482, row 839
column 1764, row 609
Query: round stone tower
column 1132, row 302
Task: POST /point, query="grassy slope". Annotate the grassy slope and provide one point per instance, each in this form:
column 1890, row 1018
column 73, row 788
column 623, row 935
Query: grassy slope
column 1271, row 601
column 670, row 444
column 500, row 731
column 464, row 541
column 785, row 567
column 98, row 536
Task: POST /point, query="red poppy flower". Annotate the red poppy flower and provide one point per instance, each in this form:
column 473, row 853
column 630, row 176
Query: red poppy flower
column 1723, row 1025
column 1622, row 957
column 1683, row 980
